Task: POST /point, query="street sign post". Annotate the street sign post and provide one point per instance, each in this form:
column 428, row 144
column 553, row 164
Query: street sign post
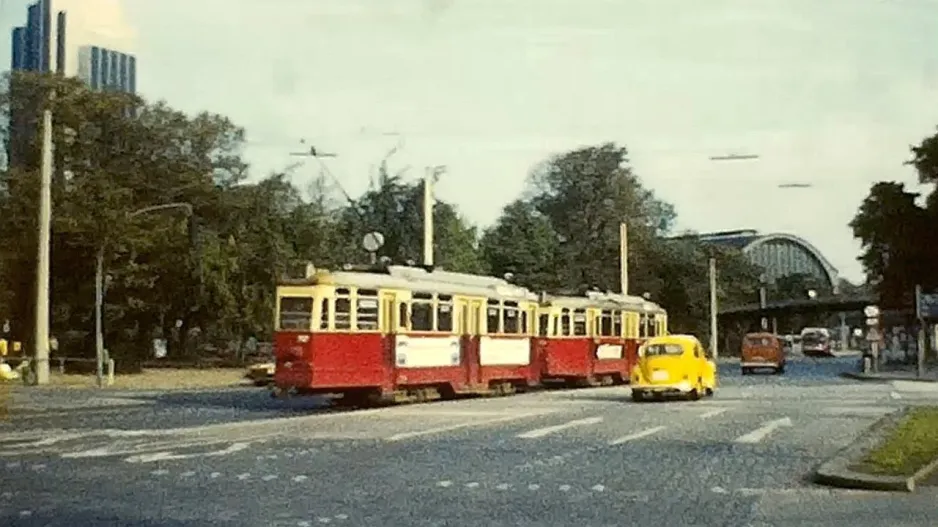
column 873, row 336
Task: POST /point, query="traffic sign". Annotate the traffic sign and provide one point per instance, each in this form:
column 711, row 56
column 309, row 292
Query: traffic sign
column 872, row 321
column 871, row 311
column 873, row 335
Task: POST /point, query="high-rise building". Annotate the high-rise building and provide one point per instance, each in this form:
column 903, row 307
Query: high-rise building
column 88, row 39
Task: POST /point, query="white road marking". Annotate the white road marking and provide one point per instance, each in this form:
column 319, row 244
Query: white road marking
column 599, row 488
column 164, row 456
column 718, row 490
column 445, row 483
column 244, row 476
column 533, row 486
column 160, row 472
column 441, row 429
column 472, row 485
column 187, row 474
column 299, row 479
column 341, row 516
column 637, row 435
column 269, row 477
column 324, row 520
column 303, row 524
column 712, row 413
column 502, row 486
column 38, row 466
column 763, row 431
column 24, row 514
column 13, row 464
column 564, row 488
column 214, row 475
column 541, row 432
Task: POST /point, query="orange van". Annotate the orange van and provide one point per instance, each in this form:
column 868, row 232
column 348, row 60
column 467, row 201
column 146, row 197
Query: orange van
column 762, row 351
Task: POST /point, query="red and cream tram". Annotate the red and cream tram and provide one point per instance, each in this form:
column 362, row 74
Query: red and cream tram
column 594, row 339
column 398, row 333
column 403, row 333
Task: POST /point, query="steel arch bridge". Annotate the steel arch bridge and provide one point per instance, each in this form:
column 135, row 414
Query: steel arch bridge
column 778, row 254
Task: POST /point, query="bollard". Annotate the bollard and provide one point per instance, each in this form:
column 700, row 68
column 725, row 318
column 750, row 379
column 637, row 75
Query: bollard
column 867, row 364
column 110, row 372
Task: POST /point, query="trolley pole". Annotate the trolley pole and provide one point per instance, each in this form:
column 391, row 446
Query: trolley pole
column 428, row 216
column 41, row 325
column 713, row 308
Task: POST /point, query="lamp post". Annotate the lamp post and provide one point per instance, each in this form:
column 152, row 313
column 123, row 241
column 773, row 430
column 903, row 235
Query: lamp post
column 99, row 287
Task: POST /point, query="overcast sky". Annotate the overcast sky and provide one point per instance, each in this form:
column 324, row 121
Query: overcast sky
column 826, row 92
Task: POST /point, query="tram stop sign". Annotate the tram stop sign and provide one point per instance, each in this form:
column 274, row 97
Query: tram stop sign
column 871, row 311
column 873, row 335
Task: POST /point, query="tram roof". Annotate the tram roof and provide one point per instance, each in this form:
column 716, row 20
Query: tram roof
column 607, row 300
column 418, row 279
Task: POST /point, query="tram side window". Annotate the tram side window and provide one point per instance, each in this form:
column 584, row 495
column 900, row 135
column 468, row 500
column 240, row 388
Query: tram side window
column 403, row 320
column 605, row 324
column 579, row 322
column 324, row 319
column 493, row 317
column 512, row 319
column 565, row 322
column 296, row 313
column 421, row 312
column 643, row 326
column 525, row 323
column 343, row 309
column 653, row 327
column 617, row 323
column 444, row 314
column 366, row 309
column 543, row 328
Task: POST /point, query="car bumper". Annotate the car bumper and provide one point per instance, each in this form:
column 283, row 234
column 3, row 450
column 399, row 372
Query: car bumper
column 760, row 364
column 676, row 387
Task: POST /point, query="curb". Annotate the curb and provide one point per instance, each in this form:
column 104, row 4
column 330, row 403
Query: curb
column 836, row 471
column 882, row 377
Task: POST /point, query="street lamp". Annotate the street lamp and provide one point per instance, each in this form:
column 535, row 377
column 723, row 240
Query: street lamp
column 99, row 286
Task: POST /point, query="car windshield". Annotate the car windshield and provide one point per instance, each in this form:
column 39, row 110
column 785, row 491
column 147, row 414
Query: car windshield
column 653, row 350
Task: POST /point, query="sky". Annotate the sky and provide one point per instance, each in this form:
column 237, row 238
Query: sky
column 830, row 93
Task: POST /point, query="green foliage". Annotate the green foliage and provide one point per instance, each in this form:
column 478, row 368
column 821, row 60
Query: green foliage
column 169, row 274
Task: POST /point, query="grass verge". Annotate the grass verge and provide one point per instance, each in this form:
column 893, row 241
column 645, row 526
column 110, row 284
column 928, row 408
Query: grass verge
column 911, row 446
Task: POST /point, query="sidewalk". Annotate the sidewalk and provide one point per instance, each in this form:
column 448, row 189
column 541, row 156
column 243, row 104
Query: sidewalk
column 895, row 373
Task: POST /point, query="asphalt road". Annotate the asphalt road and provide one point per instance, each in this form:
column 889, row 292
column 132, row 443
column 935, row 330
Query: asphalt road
column 584, row 457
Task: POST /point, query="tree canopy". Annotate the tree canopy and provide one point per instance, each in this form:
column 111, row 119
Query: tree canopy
column 210, row 278
column 899, row 241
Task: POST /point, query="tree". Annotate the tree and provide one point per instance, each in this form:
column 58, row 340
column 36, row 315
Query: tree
column 895, row 239
column 395, row 208
column 524, row 243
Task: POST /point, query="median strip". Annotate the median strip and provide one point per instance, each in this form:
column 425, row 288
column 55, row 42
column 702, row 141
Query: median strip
column 897, row 453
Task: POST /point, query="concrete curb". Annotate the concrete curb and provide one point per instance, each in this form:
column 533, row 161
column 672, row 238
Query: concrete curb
column 882, row 377
column 836, row 471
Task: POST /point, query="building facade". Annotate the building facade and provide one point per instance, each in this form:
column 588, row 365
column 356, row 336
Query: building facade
column 87, row 39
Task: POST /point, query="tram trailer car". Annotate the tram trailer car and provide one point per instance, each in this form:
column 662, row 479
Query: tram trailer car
column 593, row 340
column 401, row 334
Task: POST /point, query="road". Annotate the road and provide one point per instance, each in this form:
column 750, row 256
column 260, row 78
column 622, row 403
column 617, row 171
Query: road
column 586, row 457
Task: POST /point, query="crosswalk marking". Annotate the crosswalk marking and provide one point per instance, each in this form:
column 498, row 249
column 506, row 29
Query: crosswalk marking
column 547, row 430
column 712, row 413
column 637, row 435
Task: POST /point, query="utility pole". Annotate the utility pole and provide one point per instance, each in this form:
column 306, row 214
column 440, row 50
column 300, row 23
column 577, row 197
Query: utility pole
column 713, row 308
column 624, row 258
column 428, row 216
column 41, row 325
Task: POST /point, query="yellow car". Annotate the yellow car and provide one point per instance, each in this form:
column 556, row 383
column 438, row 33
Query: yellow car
column 673, row 365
